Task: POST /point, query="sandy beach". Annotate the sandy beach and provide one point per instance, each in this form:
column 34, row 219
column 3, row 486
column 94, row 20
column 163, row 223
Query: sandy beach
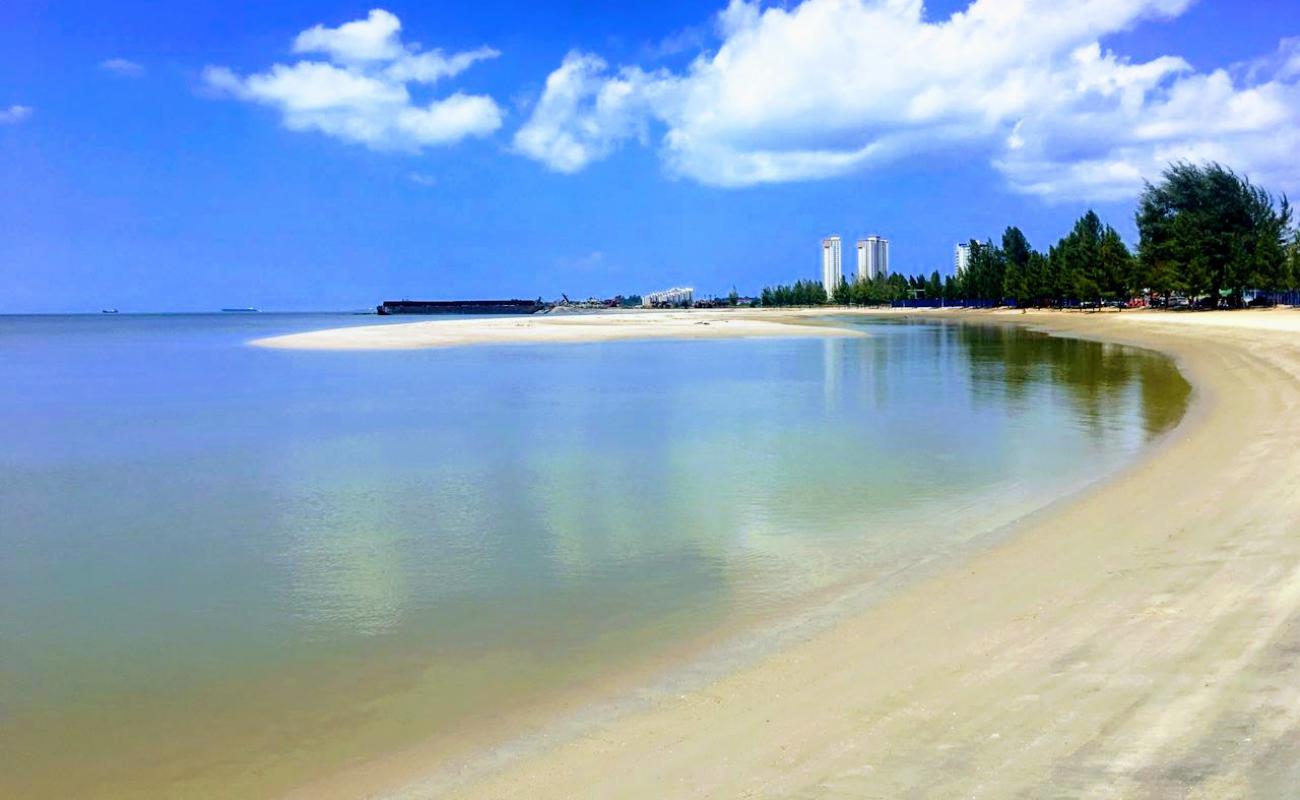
column 1138, row 640
column 555, row 329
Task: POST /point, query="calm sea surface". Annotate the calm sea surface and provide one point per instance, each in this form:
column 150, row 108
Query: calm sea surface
column 226, row 570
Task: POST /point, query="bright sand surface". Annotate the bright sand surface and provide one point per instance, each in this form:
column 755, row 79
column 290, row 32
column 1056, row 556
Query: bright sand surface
column 1141, row 639
column 551, row 328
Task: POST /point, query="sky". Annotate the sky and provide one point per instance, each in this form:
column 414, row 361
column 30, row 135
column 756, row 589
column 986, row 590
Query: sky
column 329, row 155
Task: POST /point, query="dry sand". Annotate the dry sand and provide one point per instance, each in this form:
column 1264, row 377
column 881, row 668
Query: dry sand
column 1139, row 640
column 552, row 328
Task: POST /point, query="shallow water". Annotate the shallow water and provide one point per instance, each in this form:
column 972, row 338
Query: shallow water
column 227, row 570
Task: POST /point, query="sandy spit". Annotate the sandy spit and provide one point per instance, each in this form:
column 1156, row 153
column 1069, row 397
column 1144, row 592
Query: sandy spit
column 1139, row 640
column 554, row 329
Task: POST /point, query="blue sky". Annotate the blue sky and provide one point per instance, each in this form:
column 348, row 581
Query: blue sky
column 157, row 158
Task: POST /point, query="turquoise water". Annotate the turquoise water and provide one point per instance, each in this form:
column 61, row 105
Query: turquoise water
column 231, row 569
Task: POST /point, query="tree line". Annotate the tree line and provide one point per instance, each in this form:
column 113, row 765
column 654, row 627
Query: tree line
column 1204, row 232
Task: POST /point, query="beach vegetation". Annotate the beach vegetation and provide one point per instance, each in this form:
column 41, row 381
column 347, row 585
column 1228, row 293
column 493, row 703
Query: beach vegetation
column 1016, row 279
column 1207, row 231
column 1206, row 236
column 799, row 293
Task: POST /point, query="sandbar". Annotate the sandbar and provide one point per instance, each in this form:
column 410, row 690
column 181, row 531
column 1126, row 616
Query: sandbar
column 555, row 329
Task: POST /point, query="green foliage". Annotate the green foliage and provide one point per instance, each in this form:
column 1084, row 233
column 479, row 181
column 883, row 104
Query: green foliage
column 1017, row 255
column 934, row 286
column 1114, row 265
column 1205, row 229
column 1039, row 279
column 880, row 290
column 1293, row 261
column 1091, row 263
column 801, row 293
column 1079, row 252
column 1271, row 264
column 983, row 279
column 841, row 294
column 898, row 287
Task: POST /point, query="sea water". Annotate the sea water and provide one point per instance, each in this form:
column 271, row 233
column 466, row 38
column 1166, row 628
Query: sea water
column 228, row 570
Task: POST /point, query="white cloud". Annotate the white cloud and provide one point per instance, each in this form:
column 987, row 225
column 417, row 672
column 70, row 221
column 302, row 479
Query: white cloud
column 687, row 40
column 583, row 113
column 421, row 179
column 374, row 38
column 14, row 114
column 433, row 66
column 122, row 68
column 827, row 87
column 1105, row 147
column 1283, row 63
column 362, row 91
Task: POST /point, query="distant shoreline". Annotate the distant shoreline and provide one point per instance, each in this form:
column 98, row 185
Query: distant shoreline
column 606, row 325
column 1107, row 639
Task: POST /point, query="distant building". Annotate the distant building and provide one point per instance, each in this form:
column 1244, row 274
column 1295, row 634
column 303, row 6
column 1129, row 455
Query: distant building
column 961, row 258
column 832, row 269
column 873, row 257
column 677, row 297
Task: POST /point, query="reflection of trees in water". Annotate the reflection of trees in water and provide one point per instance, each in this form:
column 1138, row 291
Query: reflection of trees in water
column 1164, row 394
column 1013, row 365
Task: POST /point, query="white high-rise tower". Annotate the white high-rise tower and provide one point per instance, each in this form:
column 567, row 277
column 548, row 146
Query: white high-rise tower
column 961, row 258
column 873, row 257
column 832, row 270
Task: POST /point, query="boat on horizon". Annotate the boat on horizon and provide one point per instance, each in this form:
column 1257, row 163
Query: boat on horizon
column 108, row 311
column 248, row 310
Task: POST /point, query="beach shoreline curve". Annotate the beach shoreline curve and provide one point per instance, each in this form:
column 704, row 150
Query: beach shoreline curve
column 1134, row 629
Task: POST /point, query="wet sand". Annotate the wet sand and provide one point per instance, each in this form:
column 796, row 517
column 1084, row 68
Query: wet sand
column 1137, row 640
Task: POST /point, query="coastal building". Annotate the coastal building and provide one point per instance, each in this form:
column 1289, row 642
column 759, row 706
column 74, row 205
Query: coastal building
column 677, row 297
column 873, row 257
column 832, row 269
column 961, row 258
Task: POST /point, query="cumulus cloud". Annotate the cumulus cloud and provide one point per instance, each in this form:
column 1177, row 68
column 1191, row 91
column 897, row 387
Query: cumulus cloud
column 361, row 88
column 584, row 112
column 122, row 68
column 14, row 114
column 374, row 38
column 826, row 87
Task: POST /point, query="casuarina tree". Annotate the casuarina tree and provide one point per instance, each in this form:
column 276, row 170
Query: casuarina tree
column 1213, row 229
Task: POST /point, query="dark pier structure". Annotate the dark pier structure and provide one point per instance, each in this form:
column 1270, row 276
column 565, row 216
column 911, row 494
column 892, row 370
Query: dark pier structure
column 460, row 307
